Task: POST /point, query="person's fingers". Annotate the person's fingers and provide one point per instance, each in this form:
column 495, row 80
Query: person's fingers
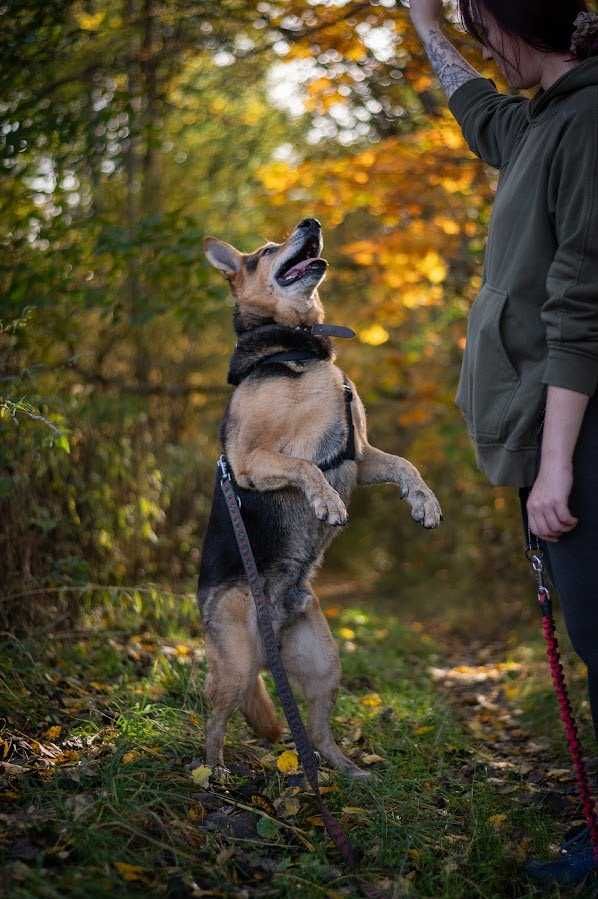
column 552, row 520
column 539, row 527
column 568, row 521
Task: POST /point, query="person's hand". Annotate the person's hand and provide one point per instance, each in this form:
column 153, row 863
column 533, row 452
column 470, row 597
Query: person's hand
column 425, row 14
column 548, row 502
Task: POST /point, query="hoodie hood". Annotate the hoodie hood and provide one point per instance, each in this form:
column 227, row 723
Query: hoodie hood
column 585, row 74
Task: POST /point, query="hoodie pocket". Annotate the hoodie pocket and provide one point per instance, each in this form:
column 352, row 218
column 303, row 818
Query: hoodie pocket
column 488, row 381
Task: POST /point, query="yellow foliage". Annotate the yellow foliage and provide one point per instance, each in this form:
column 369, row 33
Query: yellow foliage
column 375, row 335
column 89, row 21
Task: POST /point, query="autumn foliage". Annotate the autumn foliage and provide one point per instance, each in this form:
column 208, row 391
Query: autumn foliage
column 130, row 130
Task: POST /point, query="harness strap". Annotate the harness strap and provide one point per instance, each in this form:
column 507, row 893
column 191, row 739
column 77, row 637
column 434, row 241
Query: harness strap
column 348, row 453
column 262, row 605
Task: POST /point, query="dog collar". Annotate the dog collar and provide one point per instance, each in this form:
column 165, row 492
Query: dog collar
column 325, row 330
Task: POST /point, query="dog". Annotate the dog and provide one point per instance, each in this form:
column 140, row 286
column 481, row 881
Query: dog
column 295, row 438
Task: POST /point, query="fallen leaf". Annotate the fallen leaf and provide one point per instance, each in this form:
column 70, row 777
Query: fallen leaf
column 288, row 762
column 131, row 873
column 332, row 611
column 291, row 807
column 196, row 812
column 346, row 633
column 201, row 775
column 423, row 729
column 371, row 700
column 52, row 733
column 372, row 759
column 129, row 757
column 497, row 821
column 267, row 828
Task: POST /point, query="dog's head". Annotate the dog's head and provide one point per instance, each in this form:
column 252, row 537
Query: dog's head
column 278, row 280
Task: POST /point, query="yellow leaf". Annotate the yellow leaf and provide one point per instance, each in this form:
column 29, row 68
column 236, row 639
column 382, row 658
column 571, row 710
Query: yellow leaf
column 196, row 812
column 52, row 733
column 371, row 759
column 90, row 21
column 288, row 762
column 291, row 807
column 371, row 700
column 375, row 335
column 346, row 633
column 130, row 757
column 497, row 821
column 130, row 873
column 183, row 650
column 201, row 775
column 423, row 729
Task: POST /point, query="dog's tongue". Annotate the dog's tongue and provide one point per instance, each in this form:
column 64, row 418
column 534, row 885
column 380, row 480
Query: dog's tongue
column 300, row 268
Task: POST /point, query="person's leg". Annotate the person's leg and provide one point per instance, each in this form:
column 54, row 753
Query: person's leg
column 573, row 559
column 572, row 567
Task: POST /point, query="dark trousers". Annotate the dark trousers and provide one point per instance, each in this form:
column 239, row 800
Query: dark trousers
column 572, row 562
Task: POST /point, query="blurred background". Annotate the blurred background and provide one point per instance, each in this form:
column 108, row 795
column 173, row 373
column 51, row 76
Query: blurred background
column 130, row 129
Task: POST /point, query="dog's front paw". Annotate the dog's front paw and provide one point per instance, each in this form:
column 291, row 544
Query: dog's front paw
column 329, row 507
column 425, row 508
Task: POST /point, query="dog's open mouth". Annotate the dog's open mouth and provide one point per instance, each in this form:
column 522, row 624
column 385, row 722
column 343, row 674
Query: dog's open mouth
column 305, row 261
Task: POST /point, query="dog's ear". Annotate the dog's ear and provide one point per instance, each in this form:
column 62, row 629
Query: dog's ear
column 222, row 256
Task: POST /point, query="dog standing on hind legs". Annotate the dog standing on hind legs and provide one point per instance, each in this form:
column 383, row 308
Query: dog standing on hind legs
column 295, row 438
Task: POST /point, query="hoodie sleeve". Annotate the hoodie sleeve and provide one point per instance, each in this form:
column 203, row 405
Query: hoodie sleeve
column 490, row 121
column 571, row 310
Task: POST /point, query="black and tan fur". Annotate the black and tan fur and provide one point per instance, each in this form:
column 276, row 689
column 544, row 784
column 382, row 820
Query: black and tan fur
column 285, row 435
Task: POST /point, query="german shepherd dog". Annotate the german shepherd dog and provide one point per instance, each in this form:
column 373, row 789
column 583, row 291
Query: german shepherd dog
column 295, row 438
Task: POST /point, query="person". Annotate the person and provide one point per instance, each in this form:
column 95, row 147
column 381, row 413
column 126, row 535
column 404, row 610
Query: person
column 528, row 384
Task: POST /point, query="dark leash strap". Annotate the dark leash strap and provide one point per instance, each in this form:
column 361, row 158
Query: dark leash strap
column 535, row 557
column 303, row 744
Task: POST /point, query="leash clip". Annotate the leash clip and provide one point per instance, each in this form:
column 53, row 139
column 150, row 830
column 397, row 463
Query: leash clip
column 225, row 475
column 223, row 469
column 536, row 560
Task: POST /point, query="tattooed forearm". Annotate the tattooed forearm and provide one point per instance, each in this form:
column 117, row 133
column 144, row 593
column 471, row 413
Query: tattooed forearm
column 450, row 67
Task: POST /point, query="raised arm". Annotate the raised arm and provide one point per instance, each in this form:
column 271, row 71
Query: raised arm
column 491, row 122
column 450, row 67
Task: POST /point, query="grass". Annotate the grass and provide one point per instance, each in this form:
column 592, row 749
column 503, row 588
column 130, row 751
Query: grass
column 104, row 727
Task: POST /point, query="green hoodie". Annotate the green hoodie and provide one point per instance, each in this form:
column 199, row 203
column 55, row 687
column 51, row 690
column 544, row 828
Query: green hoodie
column 535, row 320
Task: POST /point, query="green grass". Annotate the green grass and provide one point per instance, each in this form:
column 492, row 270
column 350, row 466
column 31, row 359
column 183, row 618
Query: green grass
column 450, row 812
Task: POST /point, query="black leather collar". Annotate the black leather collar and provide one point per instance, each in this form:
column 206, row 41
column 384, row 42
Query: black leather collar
column 267, row 346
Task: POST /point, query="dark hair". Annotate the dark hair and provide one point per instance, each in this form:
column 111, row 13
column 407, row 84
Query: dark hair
column 546, row 25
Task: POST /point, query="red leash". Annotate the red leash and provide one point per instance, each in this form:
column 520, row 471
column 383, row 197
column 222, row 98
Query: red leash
column 535, row 556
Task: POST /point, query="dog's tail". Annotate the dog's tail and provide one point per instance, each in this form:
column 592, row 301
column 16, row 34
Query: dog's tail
column 260, row 713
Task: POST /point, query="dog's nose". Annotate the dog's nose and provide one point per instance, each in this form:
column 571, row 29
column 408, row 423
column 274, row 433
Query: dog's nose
column 309, row 223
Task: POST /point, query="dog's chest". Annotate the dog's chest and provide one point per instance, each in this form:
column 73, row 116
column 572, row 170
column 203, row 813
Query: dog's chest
column 301, row 416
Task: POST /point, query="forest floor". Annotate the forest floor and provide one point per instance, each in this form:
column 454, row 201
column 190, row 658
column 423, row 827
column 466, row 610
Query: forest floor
column 105, row 791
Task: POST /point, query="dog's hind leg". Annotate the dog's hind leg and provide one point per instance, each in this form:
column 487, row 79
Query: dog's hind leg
column 233, row 664
column 311, row 658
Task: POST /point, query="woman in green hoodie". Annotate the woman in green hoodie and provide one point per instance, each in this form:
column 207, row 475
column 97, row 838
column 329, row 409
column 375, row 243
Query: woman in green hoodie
column 528, row 385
